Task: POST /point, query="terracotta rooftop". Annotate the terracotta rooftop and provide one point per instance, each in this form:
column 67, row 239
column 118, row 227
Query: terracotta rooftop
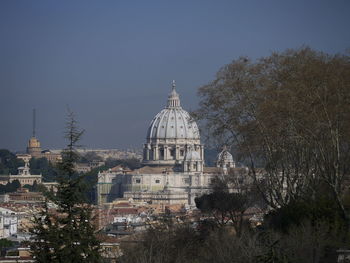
column 107, row 239
column 119, row 168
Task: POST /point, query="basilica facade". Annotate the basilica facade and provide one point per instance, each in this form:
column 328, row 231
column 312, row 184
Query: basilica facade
column 173, row 168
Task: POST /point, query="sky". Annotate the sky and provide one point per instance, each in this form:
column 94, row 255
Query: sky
column 112, row 62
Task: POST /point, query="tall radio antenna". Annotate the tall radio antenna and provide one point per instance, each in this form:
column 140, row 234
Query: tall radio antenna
column 34, row 122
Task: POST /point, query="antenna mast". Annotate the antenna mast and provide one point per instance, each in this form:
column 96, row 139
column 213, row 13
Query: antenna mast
column 34, row 122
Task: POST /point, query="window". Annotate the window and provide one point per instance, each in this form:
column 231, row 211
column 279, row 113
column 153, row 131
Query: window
column 137, row 181
column 182, row 152
column 157, row 181
column 172, row 153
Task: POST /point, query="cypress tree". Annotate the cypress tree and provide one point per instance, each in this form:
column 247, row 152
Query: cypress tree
column 66, row 233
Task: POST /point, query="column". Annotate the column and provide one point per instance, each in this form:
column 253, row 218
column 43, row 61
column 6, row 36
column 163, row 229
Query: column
column 153, row 153
column 202, row 152
column 156, row 153
column 165, row 152
column 177, row 153
column 147, row 154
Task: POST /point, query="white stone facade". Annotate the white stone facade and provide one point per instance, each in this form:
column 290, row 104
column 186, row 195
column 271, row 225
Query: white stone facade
column 171, row 134
column 173, row 160
column 8, row 222
column 24, row 177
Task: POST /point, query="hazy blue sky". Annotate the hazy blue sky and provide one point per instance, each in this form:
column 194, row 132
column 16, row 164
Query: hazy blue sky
column 112, row 62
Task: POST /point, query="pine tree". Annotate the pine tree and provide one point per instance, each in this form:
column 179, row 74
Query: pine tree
column 67, row 233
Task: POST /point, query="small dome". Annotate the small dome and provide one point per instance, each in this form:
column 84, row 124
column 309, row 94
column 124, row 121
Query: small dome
column 225, row 159
column 224, row 156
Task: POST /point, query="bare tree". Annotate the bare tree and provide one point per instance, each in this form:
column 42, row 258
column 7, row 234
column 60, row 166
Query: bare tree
column 288, row 113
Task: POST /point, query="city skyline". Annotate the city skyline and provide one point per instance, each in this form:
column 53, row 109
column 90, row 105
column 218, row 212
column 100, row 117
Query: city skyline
column 112, row 63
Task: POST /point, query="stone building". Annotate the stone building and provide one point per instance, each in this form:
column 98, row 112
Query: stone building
column 22, row 195
column 24, row 177
column 34, row 150
column 173, row 162
column 8, row 222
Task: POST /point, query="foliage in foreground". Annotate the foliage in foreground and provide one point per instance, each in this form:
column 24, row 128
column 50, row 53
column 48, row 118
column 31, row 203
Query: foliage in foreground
column 67, row 234
column 288, row 113
column 308, row 242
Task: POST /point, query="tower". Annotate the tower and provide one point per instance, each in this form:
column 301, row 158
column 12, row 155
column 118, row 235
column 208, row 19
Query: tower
column 34, row 148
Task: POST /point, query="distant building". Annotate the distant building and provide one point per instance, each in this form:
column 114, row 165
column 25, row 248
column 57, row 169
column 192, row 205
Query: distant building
column 87, row 167
column 4, row 198
column 8, row 222
column 107, row 189
column 173, row 169
column 111, row 153
column 34, row 150
column 225, row 160
column 24, row 177
column 20, row 254
column 51, row 186
column 22, row 195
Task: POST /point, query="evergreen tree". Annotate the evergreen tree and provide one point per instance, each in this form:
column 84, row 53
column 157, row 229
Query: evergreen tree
column 67, row 234
column 9, row 163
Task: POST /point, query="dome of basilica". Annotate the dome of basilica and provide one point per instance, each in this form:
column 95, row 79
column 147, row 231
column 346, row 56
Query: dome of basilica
column 173, row 122
column 171, row 133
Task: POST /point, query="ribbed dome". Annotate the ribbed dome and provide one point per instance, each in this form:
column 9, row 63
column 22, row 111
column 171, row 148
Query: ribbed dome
column 225, row 159
column 173, row 122
column 224, row 156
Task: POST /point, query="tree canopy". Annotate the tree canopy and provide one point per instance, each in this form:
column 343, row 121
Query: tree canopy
column 44, row 167
column 10, row 187
column 9, row 162
column 289, row 112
